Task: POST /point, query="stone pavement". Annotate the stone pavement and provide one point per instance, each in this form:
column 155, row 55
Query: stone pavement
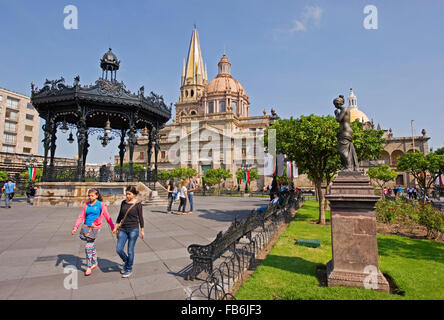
column 36, row 245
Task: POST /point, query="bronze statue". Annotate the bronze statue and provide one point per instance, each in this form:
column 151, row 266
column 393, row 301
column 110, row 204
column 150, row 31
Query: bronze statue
column 346, row 148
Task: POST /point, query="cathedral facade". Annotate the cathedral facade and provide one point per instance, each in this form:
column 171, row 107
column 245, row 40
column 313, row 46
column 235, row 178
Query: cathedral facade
column 212, row 127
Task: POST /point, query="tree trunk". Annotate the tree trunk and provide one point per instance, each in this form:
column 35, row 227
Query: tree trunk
column 321, row 203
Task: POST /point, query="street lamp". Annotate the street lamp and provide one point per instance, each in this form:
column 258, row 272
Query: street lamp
column 64, row 128
column 245, row 167
column 70, row 138
column 107, row 127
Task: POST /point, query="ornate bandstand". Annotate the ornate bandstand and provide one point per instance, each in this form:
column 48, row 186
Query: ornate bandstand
column 106, row 108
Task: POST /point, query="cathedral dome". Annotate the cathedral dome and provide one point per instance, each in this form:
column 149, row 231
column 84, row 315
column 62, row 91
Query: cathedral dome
column 355, row 113
column 223, row 84
column 224, row 81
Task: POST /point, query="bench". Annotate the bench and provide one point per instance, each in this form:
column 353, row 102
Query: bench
column 203, row 256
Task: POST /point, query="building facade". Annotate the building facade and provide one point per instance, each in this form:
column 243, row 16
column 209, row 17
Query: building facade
column 19, row 125
column 213, row 127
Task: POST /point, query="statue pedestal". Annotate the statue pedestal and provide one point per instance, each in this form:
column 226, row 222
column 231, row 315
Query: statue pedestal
column 353, row 233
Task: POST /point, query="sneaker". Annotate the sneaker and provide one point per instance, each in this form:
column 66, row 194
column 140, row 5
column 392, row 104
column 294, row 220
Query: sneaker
column 127, row 274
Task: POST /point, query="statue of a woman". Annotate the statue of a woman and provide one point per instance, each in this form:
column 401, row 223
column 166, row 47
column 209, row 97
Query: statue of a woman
column 346, row 148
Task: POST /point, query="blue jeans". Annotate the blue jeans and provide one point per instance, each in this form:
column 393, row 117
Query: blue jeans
column 190, row 198
column 131, row 235
column 7, row 200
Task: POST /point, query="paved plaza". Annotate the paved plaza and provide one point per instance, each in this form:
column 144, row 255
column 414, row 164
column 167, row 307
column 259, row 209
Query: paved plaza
column 36, row 245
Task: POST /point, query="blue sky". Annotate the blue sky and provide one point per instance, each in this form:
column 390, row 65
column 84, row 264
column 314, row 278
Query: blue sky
column 294, row 56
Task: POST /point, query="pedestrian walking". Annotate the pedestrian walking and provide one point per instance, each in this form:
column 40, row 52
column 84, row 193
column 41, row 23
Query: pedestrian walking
column 190, row 188
column 127, row 229
column 183, row 197
column 30, row 193
column 170, row 191
column 91, row 216
column 8, row 190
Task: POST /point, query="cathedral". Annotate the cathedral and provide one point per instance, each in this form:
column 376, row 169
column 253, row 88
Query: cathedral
column 212, row 127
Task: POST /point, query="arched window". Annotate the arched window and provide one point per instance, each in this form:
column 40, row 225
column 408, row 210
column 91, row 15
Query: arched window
column 234, row 106
column 222, row 106
column 211, row 107
column 395, row 155
column 186, row 93
column 192, row 93
column 193, row 113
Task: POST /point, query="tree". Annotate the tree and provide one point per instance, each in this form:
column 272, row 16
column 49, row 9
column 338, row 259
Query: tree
column 440, row 151
column 164, row 175
column 425, row 168
column 3, row 176
column 183, row 173
column 368, row 143
column 382, row 175
column 311, row 141
column 215, row 176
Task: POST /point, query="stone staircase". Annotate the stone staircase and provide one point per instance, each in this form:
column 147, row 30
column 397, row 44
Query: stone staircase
column 158, row 197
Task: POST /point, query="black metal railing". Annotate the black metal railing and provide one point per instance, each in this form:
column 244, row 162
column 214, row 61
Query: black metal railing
column 258, row 229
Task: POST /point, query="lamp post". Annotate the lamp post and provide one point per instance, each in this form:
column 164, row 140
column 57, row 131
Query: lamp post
column 246, row 167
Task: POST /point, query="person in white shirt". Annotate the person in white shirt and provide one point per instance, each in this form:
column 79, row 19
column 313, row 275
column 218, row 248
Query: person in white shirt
column 183, row 197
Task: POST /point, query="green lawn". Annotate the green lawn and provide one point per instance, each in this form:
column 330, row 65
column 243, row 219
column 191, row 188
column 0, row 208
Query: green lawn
column 288, row 272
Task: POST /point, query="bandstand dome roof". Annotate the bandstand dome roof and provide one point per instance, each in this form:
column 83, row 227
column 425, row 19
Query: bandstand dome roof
column 109, row 60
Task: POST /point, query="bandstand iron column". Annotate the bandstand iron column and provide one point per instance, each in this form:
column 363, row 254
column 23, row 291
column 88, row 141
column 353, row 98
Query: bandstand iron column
column 156, row 152
column 150, row 154
column 53, row 133
column 131, row 144
column 122, row 150
column 46, row 141
column 81, row 141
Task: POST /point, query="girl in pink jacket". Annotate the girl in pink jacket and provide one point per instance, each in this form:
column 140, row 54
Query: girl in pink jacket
column 92, row 215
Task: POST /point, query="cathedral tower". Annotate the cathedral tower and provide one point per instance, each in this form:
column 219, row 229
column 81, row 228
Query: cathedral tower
column 193, row 80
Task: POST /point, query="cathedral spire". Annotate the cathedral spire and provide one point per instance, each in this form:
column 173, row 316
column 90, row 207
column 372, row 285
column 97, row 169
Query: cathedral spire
column 195, row 67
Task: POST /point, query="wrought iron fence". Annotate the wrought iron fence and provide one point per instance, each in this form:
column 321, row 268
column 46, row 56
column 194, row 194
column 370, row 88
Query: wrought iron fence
column 220, row 282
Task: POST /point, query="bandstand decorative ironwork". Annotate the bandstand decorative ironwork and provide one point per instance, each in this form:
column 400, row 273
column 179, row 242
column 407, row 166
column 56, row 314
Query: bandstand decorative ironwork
column 106, row 107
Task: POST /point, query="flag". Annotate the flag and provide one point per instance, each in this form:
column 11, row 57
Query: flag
column 32, row 173
column 269, row 166
column 290, row 169
column 280, row 165
column 246, row 176
column 295, row 170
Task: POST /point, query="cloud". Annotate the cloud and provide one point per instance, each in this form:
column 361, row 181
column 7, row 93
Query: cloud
column 310, row 16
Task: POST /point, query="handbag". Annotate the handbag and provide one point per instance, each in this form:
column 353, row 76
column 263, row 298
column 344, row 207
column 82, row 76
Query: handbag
column 123, row 220
column 89, row 233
